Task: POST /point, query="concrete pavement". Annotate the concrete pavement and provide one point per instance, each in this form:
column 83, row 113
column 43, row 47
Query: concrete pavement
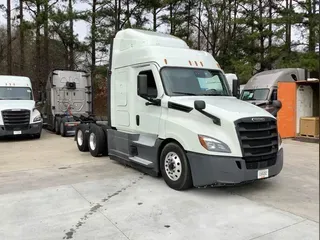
column 49, row 190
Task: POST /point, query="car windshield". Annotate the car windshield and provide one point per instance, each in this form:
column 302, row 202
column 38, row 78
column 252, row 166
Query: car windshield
column 15, row 93
column 254, row 94
column 194, row 82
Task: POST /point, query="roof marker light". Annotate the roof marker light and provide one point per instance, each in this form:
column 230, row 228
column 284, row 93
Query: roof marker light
column 201, row 63
column 190, row 63
column 196, row 63
column 165, row 61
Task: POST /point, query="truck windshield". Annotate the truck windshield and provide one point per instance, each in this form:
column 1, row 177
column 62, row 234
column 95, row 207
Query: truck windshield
column 194, row 82
column 255, row 94
column 15, row 93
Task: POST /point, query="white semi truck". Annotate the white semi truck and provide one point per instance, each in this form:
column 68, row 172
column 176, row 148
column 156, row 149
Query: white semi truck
column 67, row 96
column 18, row 113
column 171, row 113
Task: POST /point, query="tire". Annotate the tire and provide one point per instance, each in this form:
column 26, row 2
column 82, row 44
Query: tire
column 174, row 167
column 96, row 140
column 82, row 134
column 57, row 126
column 62, row 127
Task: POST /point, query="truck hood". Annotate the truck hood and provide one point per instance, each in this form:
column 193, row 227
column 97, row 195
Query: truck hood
column 225, row 107
column 17, row 104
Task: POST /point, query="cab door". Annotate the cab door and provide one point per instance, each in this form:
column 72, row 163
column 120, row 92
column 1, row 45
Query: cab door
column 147, row 117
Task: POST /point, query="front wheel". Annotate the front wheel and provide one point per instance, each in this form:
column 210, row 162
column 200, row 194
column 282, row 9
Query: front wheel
column 175, row 168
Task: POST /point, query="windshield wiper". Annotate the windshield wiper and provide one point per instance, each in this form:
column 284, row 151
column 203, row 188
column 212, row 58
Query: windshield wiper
column 16, row 99
column 186, row 93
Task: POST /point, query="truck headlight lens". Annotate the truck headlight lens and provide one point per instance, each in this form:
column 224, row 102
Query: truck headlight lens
column 213, row 145
column 37, row 119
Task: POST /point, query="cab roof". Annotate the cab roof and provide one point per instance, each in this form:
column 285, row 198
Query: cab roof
column 133, row 46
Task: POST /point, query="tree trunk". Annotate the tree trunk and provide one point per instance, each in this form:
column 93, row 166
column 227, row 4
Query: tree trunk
column 288, row 25
column 115, row 17
column 261, row 26
column 128, row 13
column 46, row 39
column 188, row 19
column 71, row 46
column 22, row 56
column 9, row 40
column 38, row 46
column 311, row 5
column 154, row 13
column 270, row 26
column 171, row 19
column 93, row 41
column 119, row 14
column 199, row 26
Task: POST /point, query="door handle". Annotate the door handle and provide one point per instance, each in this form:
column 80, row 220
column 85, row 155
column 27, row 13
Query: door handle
column 137, row 120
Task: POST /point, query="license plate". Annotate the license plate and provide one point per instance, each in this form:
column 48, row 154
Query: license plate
column 16, row 132
column 263, row 173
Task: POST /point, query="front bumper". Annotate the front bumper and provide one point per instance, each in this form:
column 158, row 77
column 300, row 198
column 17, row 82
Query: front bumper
column 33, row 128
column 221, row 170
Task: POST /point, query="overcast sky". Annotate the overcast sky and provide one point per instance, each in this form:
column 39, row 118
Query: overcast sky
column 80, row 27
column 83, row 29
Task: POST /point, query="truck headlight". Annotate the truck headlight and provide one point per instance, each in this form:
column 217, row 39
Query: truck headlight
column 37, row 119
column 214, row 145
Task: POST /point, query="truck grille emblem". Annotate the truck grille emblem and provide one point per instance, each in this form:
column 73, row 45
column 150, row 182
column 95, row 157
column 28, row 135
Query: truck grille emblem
column 258, row 119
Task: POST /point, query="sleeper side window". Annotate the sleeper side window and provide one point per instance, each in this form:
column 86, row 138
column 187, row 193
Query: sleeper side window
column 152, row 87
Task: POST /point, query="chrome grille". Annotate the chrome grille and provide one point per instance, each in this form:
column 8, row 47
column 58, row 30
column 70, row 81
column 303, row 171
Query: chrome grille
column 16, row 119
column 258, row 140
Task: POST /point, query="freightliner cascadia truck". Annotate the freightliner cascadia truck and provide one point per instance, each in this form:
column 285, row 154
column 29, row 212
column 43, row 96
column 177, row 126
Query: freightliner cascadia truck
column 67, row 96
column 171, row 113
column 18, row 113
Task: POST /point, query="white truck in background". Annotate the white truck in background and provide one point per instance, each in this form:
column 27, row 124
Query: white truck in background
column 18, row 113
column 171, row 113
column 67, row 96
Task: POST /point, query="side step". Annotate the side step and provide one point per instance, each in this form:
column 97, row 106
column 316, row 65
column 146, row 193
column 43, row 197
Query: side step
column 142, row 161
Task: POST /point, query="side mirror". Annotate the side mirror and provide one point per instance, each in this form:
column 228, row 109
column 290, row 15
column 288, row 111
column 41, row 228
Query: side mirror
column 276, row 107
column 38, row 103
column 199, row 105
column 276, row 104
column 235, row 88
column 142, row 85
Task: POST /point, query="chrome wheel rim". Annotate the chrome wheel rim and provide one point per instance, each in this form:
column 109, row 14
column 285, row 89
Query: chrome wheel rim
column 80, row 137
column 92, row 141
column 172, row 166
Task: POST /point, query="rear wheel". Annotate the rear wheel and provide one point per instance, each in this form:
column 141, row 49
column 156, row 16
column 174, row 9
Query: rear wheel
column 57, row 126
column 174, row 167
column 97, row 141
column 82, row 137
column 63, row 131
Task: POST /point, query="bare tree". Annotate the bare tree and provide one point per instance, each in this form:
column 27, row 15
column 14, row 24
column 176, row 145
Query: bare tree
column 9, row 40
